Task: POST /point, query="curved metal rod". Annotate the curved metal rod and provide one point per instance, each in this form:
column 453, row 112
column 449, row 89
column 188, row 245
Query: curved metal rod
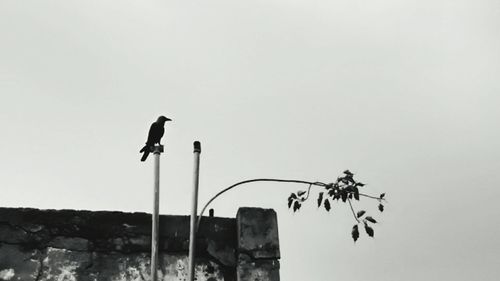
column 249, row 181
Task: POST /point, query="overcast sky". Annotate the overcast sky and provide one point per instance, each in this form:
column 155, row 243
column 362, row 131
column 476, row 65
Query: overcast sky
column 406, row 94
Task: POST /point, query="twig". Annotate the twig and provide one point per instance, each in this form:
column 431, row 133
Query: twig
column 352, row 209
column 369, row 196
column 308, row 191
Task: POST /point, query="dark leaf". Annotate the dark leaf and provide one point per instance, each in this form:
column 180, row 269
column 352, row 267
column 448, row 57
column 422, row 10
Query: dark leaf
column 328, row 186
column 331, row 192
column 381, row 207
column 290, row 201
column 350, row 195
column 382, row 195
column 327, row 205
column 293, row 196
column 344, row 195
column 320, row 198
column 360, row 184
column 370, row 219
column 356, row 193
column 360, row 214
column 296, row 206
column 347, row 172
column 369, row 230
column 300, row 193
column 355, row 232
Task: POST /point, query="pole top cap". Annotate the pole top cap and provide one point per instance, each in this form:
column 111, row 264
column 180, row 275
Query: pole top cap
column 197, row 146
column 157, row 149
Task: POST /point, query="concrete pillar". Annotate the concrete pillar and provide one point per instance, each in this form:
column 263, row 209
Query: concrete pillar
column 258, row 245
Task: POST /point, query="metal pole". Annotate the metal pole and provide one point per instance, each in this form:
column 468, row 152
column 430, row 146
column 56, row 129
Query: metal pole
column 194, row 209
column 158, row 149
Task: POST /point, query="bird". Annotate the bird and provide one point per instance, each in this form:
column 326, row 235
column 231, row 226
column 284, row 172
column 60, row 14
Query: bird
column 155, row 134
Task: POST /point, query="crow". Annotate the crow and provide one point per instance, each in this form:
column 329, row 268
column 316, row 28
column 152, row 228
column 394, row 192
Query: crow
column 156, row 131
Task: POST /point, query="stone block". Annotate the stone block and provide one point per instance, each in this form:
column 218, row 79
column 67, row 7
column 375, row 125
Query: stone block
column 62, row 264
column 257, row 232
column 19, row 264
column 69, row 243
column 257, row 270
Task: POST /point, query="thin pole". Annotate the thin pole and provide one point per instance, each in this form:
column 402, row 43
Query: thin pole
column 194, row 209
column 156, row 219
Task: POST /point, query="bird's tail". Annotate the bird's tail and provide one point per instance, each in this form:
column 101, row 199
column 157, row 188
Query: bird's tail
column 145, row 151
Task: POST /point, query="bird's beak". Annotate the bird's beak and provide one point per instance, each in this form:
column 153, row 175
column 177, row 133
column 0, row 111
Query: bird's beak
column 168, row 119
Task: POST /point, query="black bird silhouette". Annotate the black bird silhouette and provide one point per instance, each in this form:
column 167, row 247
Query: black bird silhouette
column 156, row 131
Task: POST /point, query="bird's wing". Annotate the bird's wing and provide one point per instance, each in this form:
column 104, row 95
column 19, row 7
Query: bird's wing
column 152, row 135
column 160, row 133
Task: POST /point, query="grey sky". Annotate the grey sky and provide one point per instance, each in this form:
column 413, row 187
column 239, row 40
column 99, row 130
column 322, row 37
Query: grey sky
column 404, row 93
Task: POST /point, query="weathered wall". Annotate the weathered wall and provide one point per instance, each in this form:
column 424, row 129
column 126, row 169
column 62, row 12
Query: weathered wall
column 82, row 245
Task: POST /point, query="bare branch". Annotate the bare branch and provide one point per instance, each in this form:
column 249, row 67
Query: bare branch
column 249, row 181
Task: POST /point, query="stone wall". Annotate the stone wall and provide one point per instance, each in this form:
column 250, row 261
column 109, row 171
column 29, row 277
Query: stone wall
column 69, row 245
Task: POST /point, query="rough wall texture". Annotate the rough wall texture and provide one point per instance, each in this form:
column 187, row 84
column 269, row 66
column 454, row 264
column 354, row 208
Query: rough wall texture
column 82, row 245
column 258, row 245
